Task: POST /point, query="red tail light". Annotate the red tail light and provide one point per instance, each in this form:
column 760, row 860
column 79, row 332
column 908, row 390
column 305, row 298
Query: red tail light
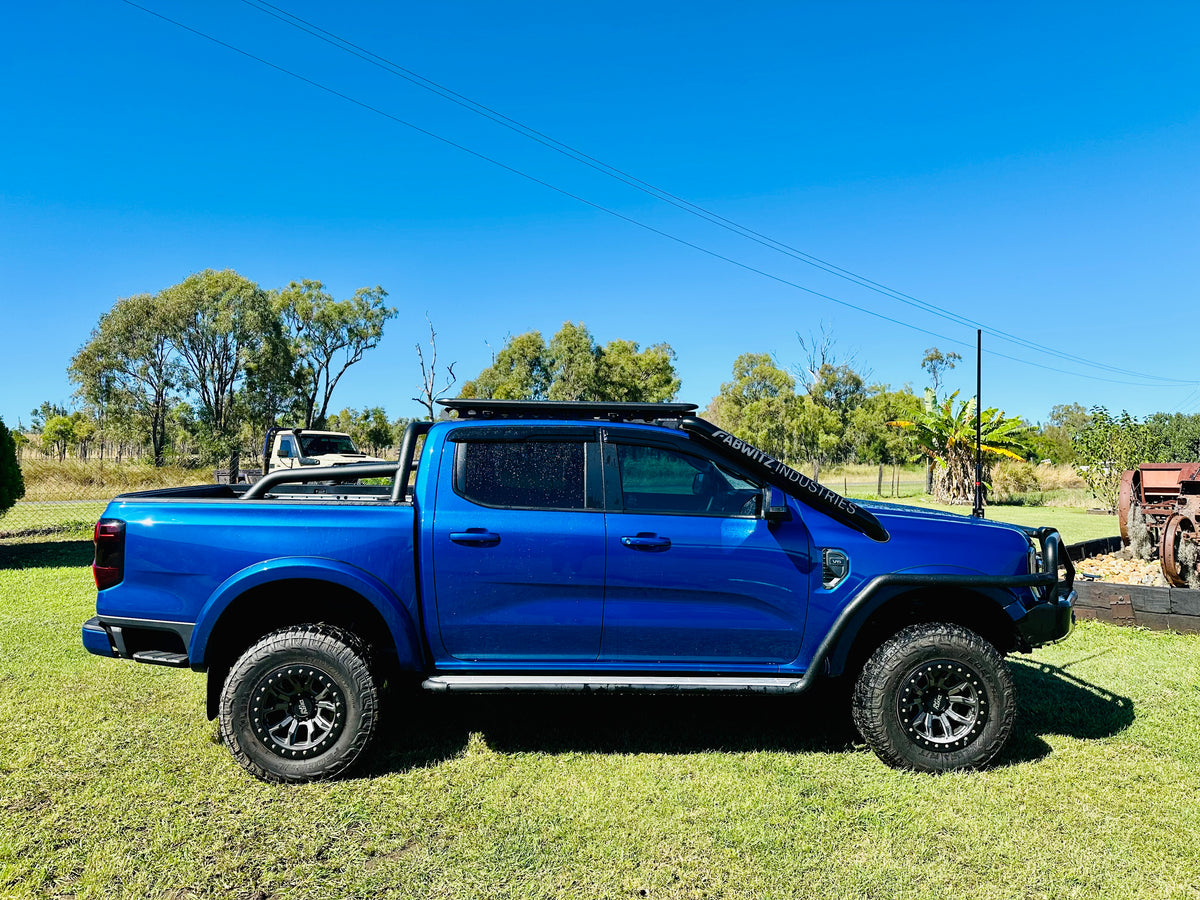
column 109, row 566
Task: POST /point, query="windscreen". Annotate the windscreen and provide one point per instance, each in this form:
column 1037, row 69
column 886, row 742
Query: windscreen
column 324, row 444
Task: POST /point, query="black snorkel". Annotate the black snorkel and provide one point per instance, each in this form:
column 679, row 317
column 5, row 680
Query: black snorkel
column 784, row 477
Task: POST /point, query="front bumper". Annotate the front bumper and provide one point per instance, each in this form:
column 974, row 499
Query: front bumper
column 1050, row 621
column 1052, row 617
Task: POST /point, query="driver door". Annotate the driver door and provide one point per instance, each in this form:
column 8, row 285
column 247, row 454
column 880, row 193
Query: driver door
column 695, row 573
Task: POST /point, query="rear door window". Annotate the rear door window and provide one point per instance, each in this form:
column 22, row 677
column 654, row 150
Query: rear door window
column 522, row 474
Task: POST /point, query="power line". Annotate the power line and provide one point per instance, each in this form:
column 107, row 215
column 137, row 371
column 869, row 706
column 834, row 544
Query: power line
column 629, row 219
column 663, row 195
column 1190, row 400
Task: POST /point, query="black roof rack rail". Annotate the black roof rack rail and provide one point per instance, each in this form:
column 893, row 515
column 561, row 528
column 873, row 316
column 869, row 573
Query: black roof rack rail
column 567, row 409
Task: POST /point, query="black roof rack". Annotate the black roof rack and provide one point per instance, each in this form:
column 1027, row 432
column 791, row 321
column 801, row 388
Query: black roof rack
column 567, row 409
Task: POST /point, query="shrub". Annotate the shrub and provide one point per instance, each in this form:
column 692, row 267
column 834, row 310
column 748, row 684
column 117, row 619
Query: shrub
column 1031, row 498
column 1058, row 478
column 1012, row 477
column 1106, row 447
column 12, row 485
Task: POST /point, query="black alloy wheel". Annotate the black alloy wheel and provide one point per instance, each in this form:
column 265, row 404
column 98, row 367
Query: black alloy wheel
column 297, row 711
column 301, row 704
column 935, row 697
column 943, row 704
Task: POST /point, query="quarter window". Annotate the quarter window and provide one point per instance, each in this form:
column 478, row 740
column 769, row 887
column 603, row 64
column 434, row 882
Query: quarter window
column 524, row 474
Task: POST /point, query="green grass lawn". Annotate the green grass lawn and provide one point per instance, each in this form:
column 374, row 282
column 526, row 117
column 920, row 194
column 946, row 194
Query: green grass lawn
column 1074, row 524
column 111, row 785
column 1072, row 519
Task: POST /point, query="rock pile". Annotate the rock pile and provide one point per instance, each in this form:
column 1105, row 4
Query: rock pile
column 1122, row 569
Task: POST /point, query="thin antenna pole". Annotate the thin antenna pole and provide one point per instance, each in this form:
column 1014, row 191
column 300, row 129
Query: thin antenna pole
column 978, row 510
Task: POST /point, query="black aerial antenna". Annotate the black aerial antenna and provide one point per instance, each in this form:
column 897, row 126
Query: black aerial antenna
column 977, row 510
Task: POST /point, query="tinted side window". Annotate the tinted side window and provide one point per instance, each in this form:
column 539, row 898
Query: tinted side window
column 658, row 480
column 524, row 474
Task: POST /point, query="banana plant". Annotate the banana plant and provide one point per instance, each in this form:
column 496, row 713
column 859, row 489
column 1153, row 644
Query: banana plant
column 945, row 432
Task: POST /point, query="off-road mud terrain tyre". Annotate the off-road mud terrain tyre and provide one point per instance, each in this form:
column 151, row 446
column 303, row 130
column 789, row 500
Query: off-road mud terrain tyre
column 302, row 704
column 935, row 697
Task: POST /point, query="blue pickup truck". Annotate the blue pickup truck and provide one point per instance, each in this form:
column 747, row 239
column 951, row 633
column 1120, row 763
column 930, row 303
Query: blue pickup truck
column 570, row 547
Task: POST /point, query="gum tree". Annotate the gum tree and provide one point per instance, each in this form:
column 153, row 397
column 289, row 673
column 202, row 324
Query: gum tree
column 758, row 405
column 574, row 367
column 326, row 337
column 128, row 368
column 219, row 322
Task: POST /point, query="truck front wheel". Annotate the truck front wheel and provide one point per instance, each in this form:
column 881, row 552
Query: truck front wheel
column 935, row 697
column 300, row 705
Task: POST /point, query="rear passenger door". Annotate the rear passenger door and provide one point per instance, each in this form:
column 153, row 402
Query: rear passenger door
column 518, row 544
column 695, row 573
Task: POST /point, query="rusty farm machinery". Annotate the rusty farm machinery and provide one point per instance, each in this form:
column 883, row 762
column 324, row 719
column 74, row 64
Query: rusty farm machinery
column 1159, row 511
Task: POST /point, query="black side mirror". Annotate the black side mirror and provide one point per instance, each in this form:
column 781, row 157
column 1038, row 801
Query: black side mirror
column 775, row 508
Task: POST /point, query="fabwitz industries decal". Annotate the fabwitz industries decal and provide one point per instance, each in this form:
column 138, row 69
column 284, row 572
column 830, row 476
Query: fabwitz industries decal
column 773, row 465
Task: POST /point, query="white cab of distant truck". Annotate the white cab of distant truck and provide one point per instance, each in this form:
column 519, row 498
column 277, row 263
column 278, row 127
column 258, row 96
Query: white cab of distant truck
column 301, row 447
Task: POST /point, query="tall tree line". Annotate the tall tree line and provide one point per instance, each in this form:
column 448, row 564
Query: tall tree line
column 224, row 356
column 572, row 366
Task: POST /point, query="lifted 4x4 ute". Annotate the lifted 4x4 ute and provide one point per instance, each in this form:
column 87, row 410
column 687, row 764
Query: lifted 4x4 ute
column 570, row 547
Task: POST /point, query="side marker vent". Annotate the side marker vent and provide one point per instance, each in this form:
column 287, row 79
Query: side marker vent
column 835, row 566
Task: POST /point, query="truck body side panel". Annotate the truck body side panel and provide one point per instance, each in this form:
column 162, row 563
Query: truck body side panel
column 186, row 559
column 921, row 542
column 394, row 612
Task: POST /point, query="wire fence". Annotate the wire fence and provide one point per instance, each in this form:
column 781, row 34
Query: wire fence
column 27, row 519
column 68, row 496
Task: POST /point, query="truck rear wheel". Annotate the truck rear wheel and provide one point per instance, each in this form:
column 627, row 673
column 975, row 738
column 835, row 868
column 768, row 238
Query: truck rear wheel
column 300, row 705
column 935, row 697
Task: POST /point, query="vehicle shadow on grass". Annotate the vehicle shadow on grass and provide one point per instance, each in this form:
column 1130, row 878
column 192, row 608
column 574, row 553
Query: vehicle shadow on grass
column 1050, row 700
column 423, row 729
column 45, row 554
column 598, row 723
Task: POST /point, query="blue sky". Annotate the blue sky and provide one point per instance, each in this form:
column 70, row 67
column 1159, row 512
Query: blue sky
column 1034, row 167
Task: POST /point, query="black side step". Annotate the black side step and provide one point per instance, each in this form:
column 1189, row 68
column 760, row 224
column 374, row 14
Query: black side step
column 617, row 683
column 162, row 658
